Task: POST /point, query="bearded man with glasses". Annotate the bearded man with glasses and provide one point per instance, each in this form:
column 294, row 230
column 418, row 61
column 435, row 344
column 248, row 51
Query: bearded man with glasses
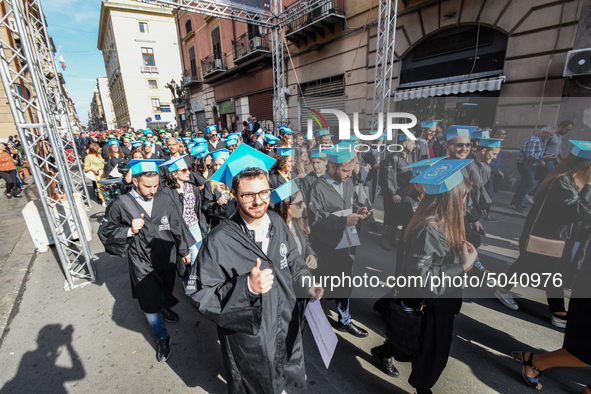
column 247, row 279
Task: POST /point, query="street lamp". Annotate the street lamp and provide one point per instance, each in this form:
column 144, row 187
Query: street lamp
column 172, row 86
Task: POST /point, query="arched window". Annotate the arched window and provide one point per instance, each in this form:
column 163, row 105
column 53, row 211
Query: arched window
column 188, row 26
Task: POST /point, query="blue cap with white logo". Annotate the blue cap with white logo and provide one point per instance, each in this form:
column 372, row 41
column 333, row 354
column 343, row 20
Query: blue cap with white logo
column 581, row 149
column 176, row 163
column 428, row 124
column 480, row 134
column 458, row 131
column 199, row 150
column 284, row 191
column 243, row 157
column 140, row 166
column 442, row 176
column 422, row 165
column 491, row 142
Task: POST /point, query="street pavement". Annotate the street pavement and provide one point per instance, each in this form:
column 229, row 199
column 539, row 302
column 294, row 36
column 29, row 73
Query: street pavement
column 96, row 339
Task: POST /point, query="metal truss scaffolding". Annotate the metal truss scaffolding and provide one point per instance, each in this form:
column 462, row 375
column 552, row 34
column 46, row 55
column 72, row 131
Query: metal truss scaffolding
column 384, row 61
column 279, row 102
column 31, row 82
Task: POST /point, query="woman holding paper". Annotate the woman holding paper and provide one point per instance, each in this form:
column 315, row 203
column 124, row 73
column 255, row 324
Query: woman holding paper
column 436, row 247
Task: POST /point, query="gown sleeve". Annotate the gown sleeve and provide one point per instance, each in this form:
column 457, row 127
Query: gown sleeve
column 225, row 301
column 323, row 222
column 113, row 231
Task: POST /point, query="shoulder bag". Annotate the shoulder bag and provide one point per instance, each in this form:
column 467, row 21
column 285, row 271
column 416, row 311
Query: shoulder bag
column 544, row 246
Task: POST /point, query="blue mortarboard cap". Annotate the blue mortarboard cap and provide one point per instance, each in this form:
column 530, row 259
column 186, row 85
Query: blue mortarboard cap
column 284, row 191
column 286, row 130
column 178, row 139
column 457, row 131
column 199, row 151
column 243, row 157
column 321, row 132
column 442, row 176
column 285, row 151
column 139, row 166
column 230, row 141
column 429, row 123
column 208, row 129
column 317, row 153
column 491, row 142
column 403, row 137
column 235, row 135
column 190, row 145
column 271, row 139
column 113, row 142
column 480, row 134
column 354, row 138
column 422, row 165
column 148, row 143
column 186, row 140
column 581, row 149
column 176, row 163
column 136, row 144
column 200, row 140
column 341, row 152
column 148, row 131
column 220, row 154
column 259, row 132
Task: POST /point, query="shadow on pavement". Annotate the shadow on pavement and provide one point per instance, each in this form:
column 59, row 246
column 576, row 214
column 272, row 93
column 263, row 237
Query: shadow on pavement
column 38, row 370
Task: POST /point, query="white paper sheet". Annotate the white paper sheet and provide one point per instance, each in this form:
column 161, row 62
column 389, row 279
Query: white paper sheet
column 325, row 338
column 350, row 237
column 115, row 173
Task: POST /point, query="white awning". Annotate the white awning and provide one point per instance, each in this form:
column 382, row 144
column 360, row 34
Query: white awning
column 474, row 85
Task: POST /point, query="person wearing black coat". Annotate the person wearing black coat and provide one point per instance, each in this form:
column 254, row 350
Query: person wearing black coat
column 218, row 203
column 562, row 201
column 114, row 158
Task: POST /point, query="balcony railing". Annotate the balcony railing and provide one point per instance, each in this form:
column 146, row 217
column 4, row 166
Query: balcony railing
column 192, row 76
column 149, row 69
column 246, row 48
column 211, row 66
column 313, row 23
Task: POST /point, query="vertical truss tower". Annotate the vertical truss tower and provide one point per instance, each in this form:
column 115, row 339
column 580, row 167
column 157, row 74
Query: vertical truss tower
column 34, row 92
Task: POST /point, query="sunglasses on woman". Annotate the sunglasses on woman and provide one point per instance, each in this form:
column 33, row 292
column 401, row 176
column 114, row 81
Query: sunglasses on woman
column 299, row 204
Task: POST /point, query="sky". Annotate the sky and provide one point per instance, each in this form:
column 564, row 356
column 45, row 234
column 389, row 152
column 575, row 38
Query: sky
column 73, row 25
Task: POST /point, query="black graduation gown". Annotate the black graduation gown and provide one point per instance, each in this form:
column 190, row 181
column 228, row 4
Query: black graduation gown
column 177, row 198
column 327, row 231
column 112, row 163
column 305, row 184
column 153, row 252
column 276, row 179
column 420, row 152
column 219, row 145
column 105, row 151
column 126, row 151
column 260, row 335
column 198, row 179
column 428, row 255
column 394, row 179
column 214, row 212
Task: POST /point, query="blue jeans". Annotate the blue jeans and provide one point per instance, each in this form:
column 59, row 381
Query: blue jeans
column 343, row 309
column 157, row 324
column 19, row 183
column 528, row 181
column 196, row 233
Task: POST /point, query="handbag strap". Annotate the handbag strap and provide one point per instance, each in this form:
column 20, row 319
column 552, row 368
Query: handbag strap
column 540, row 210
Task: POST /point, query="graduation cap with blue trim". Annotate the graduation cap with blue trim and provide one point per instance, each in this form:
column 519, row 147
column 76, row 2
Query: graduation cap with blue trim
column 186, row 140
column 480, row 134
column 317, row 153
column 190, row 145
column 243, row 157
column 235, row 135
column 428, row 124
column 285, row 151
column 259, row 132
column 422, row 165
column 208, row 129
column 442, row 176
column 136, row 144
column 457, row 131
column 148, row 143
column 148, row 131
column 491, row 142
column 220, row 154
column 139, row 166
column 114, row 142
column 403, row 137
column 230, row 141
column 323, row 132
column 286, row 130
column 284, row 191
column 176, row 163
column 200, row 140
column 199, row 150
column 271, row 139
column 581, row 149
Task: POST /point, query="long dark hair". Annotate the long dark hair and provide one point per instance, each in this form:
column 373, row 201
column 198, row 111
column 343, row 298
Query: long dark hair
column 282, row 209
column 572, row 166
column 198, row 165
column 445, row 210
column 280, row 164
column 171, row 181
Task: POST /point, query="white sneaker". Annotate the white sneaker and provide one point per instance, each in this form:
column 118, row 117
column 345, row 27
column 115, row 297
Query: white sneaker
column 557, row 321
column 529, row 200
column 507, row 299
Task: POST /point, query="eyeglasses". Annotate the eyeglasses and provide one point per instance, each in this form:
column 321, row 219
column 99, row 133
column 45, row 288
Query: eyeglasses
column 299, row 205
column 250, row 197
column 462, row 144
column 213, row 134
column 184, row 170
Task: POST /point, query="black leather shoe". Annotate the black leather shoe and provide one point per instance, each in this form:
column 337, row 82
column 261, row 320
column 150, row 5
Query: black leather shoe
column 169, row 315
column 386, row 364
column 353, row 330
column 163, row 351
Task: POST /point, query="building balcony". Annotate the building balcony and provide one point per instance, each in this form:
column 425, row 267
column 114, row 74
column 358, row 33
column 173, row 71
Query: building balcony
column 212, row 66
column 192, row 77
column 149, row 69
column 246, row 48
column 310, row 26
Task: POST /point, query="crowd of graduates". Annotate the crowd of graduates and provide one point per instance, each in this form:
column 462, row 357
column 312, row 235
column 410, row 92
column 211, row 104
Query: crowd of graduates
column 242, row 217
